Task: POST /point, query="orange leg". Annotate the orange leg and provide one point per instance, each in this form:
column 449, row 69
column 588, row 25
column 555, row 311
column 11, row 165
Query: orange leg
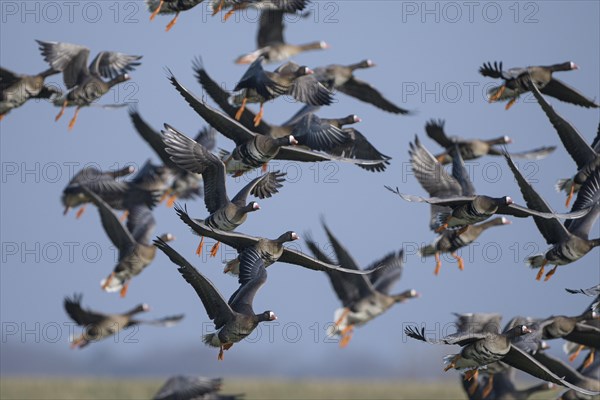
column 200, row 246
column 452, row 363
column 172, row 23
column 444, row 226
column 240, row 111
column 219, row 7
column 346, row 336
column 80, row 212
column 171, row 201
column 549, row 274
column 77, row 342
column 488, row 388
column 2, row 116
column 265, row 167
column 589, row 359
column 214, row 249
column 220, row 356
column 108, row 280
column 166, row 194
column 259, row 116
column 72, row 122
column 124, row 215
column 510, row 104
column 541, row 271
column 498, row 94
column 471, row 374
column 156, row 11
column 232, row 11
column 341, row 318
column 123, row 291
column 573, row 356
column 473, row 387
column 461, row 264
column 571, row 192
column 438, row 263
column 62, row 111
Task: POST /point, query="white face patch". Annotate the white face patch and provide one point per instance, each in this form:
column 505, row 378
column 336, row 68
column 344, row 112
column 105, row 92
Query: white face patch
column 256, row 206
column 272, row 316
column 145, row 307
column 295, row 236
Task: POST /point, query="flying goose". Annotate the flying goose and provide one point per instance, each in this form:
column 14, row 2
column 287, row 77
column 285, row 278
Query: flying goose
column 234, row 319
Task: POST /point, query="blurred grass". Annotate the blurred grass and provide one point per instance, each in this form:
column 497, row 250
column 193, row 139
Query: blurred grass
column 88, row 388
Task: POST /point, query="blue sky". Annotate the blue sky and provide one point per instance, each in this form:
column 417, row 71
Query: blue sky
column 427, row 56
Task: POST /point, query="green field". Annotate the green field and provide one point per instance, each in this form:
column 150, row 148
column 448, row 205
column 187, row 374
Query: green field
column 83, row 388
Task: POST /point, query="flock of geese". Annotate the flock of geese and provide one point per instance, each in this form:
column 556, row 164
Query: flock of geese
column 192, row 169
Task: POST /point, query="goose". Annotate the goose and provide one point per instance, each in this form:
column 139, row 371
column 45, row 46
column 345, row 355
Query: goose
column 586, row 377
column 471, row 149
column 455, row 203
column 16, row 89
column 234, row 319
column 271, row 44
column 363, row 298
column 482, row 348
column 170, row 7
column 288, row 6
column 225, row 214
column 254, row 149
column 341, row 78
column 182, row 387
column 354, row 146
column 85, row 83
column 587, row 157
column 271, row 250
column 450, row 241
column 260, row 86
column 119, row 195
column 133, row 242
column 185, row 184
column 516, row 83
column 99, row 326
column 569, row 241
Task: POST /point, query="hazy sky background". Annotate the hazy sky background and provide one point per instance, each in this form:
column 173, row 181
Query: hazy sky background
column 426, row 61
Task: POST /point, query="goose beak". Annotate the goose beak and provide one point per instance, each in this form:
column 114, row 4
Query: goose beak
column 574, row 66
column 506, row 221
column 509, row 200
column 256, row 206
column 325, row 45
column 309, row 71
column 295, row 236
column 357, row 119
column 507, row 140
column 293, row 140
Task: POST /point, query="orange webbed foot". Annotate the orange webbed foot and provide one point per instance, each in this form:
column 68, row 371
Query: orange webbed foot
column 123, row 291
column 571, row 192
column 498, row 94
column 61, row 112
column 155, row 13
column 346, row 336
column 573, row 356
column 124, row 216
column 589, row 359
column 72, row 122
column 259, row 116
column 80, row 212
column 510, row 104
column 438, row 264
column 172, row 23
column 459, row 260
column 214, row 249
column 549, row 274
column 541, row 271
column 200, row 246
column 471, row 374
column 240, row 111
column 221, row 357
column 488, row 388
column 473, row 387
column 171, row 201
